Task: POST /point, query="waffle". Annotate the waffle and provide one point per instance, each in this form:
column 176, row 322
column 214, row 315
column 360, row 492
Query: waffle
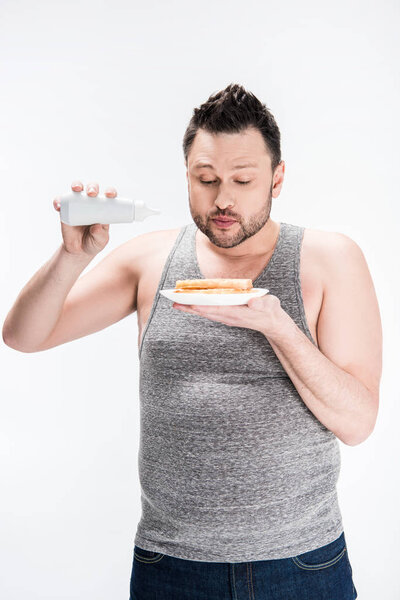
column 214, row 286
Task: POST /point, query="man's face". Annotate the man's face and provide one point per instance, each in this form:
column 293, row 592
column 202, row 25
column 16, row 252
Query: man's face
column 228, row 188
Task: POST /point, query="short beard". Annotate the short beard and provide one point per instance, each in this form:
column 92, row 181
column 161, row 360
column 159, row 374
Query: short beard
column 246, row 230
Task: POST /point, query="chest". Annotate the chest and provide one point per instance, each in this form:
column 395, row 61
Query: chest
column 311, row 285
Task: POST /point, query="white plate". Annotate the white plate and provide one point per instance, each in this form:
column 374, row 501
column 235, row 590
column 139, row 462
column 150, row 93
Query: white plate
column 213, row 299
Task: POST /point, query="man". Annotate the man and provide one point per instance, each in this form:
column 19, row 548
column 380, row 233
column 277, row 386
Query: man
column 241, row 406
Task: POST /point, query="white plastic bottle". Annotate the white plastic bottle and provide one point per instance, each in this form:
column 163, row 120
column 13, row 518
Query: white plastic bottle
column 77, row 208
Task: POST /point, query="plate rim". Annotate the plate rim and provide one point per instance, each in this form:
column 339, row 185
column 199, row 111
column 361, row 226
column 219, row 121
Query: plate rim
column 172, row 291
column 210, row 296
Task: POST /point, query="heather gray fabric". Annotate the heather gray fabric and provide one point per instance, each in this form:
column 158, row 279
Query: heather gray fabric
column 233, row 466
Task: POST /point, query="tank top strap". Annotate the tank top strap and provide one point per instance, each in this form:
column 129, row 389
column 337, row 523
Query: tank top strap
column 281, row 269
column 184, row 263
column 282, row 275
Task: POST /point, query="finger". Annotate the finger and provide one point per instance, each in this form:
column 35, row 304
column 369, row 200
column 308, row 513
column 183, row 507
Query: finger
column 57, row 202
column 77, row 186
column 256, row 303
column 92, row 189
column 183, row 307
column 110, row 192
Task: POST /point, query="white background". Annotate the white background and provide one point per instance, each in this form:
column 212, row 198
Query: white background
column 103, row 91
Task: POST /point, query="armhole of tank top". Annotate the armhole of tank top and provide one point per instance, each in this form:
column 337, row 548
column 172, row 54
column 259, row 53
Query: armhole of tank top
column 160, row 283
column 299, row 294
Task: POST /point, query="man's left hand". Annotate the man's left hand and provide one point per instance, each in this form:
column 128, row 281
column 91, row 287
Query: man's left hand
column 261, row 314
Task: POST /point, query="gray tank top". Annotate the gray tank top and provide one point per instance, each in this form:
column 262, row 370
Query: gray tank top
column 233, row 466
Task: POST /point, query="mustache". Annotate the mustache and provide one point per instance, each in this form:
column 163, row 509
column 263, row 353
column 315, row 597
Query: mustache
column 224, row 214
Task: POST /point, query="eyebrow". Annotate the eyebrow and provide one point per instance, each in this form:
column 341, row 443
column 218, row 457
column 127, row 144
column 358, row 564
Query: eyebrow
column 244, row 166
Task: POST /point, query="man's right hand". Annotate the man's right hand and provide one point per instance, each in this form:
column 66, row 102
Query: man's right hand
column 85, row 240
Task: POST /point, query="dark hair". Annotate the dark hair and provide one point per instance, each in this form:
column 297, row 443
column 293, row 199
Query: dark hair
column 231, row 111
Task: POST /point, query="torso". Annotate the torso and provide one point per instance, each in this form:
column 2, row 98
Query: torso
column 153, row 264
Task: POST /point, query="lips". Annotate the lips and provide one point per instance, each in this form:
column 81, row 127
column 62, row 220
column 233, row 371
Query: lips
column 224, row 223
column 224, row 220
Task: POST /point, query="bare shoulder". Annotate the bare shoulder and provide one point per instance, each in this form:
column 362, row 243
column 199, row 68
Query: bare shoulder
column 328, row 242
column 148, row 247
column 332, row 253
column 152, row 239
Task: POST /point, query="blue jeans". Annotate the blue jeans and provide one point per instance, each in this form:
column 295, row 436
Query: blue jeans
column 321, row 574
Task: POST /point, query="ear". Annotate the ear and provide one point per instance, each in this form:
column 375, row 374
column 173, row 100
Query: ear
column 278, row 179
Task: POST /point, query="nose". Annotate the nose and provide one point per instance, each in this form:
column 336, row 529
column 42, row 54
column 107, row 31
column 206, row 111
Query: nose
column 224, row 201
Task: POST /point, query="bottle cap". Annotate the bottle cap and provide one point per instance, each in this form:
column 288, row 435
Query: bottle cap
column 142, row 211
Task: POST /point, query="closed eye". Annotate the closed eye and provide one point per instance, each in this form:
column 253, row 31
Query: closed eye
column 210, row 182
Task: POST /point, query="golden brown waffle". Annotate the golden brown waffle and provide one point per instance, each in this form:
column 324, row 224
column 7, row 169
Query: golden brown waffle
column 213, row 291
column 214, row 286
column 215, row 283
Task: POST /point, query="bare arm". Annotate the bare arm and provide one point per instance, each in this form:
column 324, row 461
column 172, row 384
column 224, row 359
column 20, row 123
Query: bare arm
column 40, row 302
column 104, row 295
column 55, row 306
column 339, row 382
